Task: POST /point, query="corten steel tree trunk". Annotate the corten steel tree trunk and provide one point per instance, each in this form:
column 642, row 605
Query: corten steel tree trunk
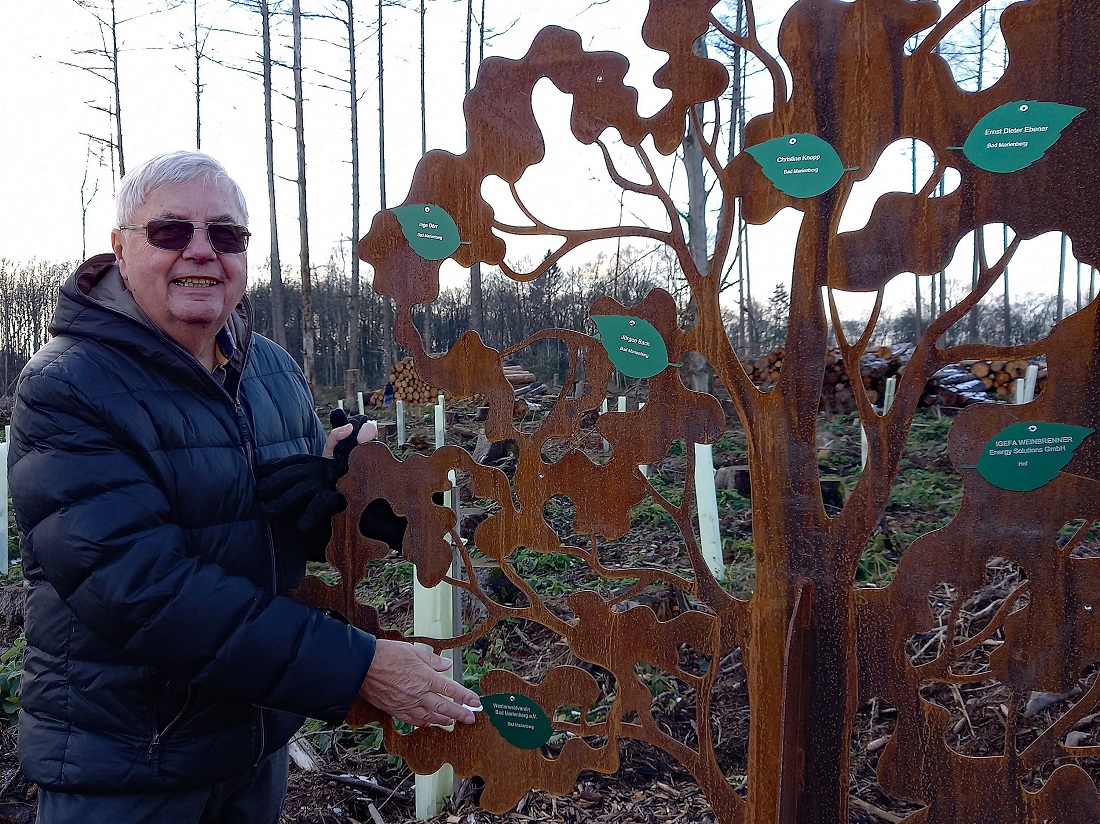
column 813, row 646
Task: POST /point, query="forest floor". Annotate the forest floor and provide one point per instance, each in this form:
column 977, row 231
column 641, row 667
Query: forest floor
column 358, row 782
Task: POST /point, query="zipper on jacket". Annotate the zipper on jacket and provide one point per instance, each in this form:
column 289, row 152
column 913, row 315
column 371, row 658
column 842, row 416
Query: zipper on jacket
column 250, row 454
column 158, row 735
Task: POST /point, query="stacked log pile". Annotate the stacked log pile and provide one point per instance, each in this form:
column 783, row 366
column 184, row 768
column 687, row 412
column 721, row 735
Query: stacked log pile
column 518, row 376
column 836, row 389
column 999, row 377
column 954, row 386
column 409, row 387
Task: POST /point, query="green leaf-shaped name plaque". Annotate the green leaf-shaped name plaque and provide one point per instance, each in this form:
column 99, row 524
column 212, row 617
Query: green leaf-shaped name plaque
column 800, row 165
column 519, row 720
column 430, row 231
column 633, row 345
column 1015, row 135
column 1026, row 456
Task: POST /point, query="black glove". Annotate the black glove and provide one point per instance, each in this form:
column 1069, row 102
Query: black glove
column 342, row 451
column 299, row 490
column 299, row 493
column 302, row 488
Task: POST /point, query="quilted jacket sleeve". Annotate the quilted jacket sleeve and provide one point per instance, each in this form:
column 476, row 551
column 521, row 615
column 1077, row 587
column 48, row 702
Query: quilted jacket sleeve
column 98, row 529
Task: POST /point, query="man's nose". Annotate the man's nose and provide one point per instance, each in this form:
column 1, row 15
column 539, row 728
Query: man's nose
column 199, row 248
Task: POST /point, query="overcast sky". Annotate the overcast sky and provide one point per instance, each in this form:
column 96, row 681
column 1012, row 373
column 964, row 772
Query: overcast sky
column 49, row 111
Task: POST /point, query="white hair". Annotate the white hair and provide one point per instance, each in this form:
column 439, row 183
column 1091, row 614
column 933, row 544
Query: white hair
column 171, row 167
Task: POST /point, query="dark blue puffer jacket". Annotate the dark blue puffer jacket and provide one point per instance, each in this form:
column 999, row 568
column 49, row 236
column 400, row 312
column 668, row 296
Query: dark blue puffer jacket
column 160, row 650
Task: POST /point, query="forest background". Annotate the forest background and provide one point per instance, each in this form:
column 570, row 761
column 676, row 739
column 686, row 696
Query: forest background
column 316, row 105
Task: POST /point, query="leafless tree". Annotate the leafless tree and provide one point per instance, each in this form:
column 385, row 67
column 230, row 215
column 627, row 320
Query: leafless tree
column 86, row 196
column 308, row 328
column 105, row 67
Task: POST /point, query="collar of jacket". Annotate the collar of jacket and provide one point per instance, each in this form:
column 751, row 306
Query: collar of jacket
column 97, row 282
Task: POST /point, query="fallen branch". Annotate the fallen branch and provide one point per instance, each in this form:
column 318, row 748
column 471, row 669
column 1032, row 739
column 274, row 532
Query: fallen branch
column 364, row 784
column 875, row 811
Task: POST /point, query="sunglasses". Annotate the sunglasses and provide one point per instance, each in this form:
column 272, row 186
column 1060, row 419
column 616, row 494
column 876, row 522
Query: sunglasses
column 174, row 235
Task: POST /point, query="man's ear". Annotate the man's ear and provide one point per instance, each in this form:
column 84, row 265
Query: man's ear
column 116, row 246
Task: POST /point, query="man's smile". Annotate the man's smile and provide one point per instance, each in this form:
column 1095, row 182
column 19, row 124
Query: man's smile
column 196, row 282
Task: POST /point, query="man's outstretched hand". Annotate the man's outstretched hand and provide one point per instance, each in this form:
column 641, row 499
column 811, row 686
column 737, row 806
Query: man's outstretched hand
column 407, row 682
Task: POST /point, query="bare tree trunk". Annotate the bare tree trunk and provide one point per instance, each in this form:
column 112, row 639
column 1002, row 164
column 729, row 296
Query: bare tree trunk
column 694, row 370
column 426, row 317
column 198, row 78
column 388, row 354
column 918, row 320
column 1078, row 286
column 118, row 93
column 979, row 235
column 308, row 365
column 943, row 291
column 1060, row 306
column 423, row 81
column 477, row 306
column 356, row 297
column 278, row 317
column 751, row 333
column 972, row 315
column 85, row 202
column 481, row 38
column 736, row 143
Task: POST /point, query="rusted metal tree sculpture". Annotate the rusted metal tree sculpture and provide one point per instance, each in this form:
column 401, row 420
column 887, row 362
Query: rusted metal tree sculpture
column 813, row 646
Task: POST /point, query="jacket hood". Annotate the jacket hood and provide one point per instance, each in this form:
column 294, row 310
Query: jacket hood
column 94, row 295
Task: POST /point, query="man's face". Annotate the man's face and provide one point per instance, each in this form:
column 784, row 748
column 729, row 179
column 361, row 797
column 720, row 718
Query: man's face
column 188, row 294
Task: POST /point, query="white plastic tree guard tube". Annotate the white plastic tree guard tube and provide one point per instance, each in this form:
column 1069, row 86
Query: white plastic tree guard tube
column 434, row 616
column 1025, row 389
column 603, row 411
column 400, row 406
column 887, row 402
column 706, row 499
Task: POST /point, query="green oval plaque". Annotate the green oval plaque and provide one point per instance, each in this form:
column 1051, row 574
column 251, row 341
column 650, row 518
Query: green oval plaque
column 634, row 345
column 1015, row 135
column 1026, row 456
column 519, row 720
column 430, row 231
column 800, row 165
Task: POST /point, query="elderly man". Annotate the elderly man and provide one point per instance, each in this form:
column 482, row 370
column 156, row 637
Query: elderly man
column 165, row 669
